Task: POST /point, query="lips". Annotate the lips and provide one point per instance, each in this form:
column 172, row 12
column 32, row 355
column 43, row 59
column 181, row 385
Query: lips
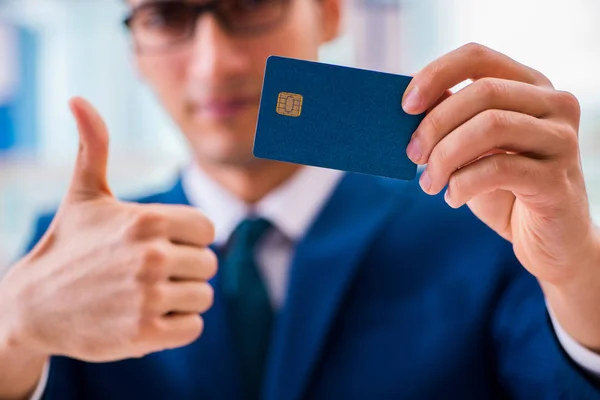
column 224, row 108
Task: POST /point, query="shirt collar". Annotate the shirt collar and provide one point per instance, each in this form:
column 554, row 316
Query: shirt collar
column 291, row 207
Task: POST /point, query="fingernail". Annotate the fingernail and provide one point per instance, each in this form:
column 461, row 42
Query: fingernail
column 447, row 198
column 412, row 100
column 414, row 150
column 425, row 181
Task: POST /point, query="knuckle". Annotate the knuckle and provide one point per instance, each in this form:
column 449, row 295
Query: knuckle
column 570, row 139
column 147, row 301
column 456, row 184
column 476, row 50
column 497, row 165
column 152, row 265
column 153, row 296
column 526, row 172
column 440, row 156
column 495, row 120
column 540, row 79
column 491, row 87
column 566, row 135
column 143, row 329
column 568, row 102
column 155, row 254
column 434, row 124
column 426, row 76
column 565, row 179
column 143, row 224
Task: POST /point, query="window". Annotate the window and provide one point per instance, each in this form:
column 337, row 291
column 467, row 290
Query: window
column 54, row 49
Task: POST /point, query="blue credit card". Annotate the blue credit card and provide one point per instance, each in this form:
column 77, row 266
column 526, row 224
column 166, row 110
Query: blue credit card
column 335, row 117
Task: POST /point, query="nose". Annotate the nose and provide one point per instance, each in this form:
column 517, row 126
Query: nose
column 217, row 57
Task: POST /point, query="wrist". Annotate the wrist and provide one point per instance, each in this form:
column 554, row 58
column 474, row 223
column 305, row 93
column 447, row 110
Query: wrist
column 581, row 269
column 13, row 337
column 574, row 302
column 15, row 350
column 21, row 366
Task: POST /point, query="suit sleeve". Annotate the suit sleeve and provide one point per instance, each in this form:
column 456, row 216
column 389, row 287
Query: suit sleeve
column 62, row 377
column 530, row 361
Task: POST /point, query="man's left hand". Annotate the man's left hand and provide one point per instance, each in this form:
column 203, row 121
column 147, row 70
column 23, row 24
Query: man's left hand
column 507, row 146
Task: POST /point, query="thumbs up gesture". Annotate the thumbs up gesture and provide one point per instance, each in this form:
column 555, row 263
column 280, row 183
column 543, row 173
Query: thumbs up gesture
column 109, row 280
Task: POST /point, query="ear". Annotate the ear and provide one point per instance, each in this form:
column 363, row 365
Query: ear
column 331, row 16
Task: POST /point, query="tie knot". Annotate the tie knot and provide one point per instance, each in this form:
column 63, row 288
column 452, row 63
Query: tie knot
column 249, row 232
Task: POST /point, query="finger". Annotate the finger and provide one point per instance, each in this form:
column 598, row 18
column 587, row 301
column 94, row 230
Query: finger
column 89, row 178
column 446, row 95
column 472, row 61
column 494, row 131
column 180, row 224
column 189, row 226
column 187, row 297
column 520, row 175
column 177, row 330
column 482, row 95
column 192, row 263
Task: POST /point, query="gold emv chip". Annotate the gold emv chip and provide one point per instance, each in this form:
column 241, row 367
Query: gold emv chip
column 289, row 104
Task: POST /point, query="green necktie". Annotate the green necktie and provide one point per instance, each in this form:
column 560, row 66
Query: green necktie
column 250, row 311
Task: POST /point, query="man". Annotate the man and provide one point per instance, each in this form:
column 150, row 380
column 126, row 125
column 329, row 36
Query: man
column 330, row 285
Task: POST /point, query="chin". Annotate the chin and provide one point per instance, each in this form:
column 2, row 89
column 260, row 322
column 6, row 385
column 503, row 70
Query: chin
column 225, row 154
column 226, row 144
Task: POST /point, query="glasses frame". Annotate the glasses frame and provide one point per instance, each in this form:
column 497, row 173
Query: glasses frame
column 198, row 10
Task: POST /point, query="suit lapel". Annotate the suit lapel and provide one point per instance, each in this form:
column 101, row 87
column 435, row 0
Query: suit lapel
column 324, row 264
column 174, row 195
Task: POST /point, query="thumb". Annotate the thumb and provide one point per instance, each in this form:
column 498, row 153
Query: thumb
column 89, row 178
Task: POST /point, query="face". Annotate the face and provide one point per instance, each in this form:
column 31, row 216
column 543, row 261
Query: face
column 210, row 84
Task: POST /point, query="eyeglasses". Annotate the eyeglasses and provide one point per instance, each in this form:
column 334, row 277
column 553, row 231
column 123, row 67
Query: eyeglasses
column 160, row 26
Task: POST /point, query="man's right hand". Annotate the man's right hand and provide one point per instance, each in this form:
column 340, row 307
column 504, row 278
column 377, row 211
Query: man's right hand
column 109, row 280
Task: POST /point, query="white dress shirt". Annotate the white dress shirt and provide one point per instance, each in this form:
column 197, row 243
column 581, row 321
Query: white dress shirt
column 291, row 208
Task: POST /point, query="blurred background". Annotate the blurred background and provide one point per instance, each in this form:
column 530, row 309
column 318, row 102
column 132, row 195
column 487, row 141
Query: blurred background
column 51, row 50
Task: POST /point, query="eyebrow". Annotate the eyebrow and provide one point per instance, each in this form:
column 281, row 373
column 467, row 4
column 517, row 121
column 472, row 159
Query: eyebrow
column 137, row 4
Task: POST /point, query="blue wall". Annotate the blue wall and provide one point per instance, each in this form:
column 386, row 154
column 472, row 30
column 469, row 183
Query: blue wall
column 18, row 116
column 7, row 133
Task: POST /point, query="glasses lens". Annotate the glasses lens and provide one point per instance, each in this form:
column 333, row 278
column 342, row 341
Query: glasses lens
column 248, row 16
column 160, row 25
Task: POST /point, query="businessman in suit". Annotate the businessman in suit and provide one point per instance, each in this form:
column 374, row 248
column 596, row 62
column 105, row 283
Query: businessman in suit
column 329, row 285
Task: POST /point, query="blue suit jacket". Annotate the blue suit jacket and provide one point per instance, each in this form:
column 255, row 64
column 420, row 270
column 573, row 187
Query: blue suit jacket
column 392, row 295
